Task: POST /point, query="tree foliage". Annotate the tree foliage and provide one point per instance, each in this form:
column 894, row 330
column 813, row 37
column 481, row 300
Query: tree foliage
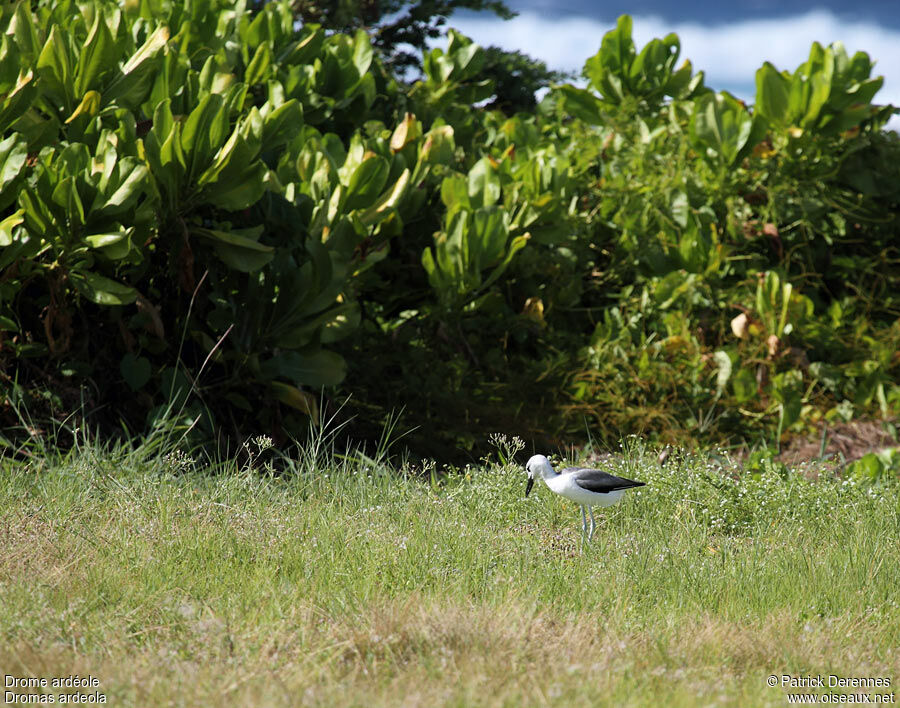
column 517, row 79
column 396, row 26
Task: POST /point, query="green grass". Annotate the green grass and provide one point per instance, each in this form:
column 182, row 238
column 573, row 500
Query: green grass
column 342, row 583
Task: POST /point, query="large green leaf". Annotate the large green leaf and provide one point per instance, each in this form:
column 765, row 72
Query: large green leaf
column 132, row 85
column 722, row 125
column 164, row 153
column 10, row 63
column 102, row 290
column 811, row 85
column 115, row 245
column 317, row 368
column 257, row 32
column 24, row 29
column 367, row 182
column 436, row 278
column 489, row 234
column 132, row 177
column 282, row 125
column 295, row 398
column 772, row 93
column 236, row 250
column 203, row 134
column 8, row 224
column 89, row 106
column 65, row 194
column 652, row 67
column 437, row 148
column 13, row 153
column 581, row 104
column 516, row 245
column 98, row 56
column 55, row 67
column 258, row 68
column 18, row 101
column 234, row 179
column 455, row 193
column 237, row 190
column 362, row 52
column 607, row 71
column 306, row 48
column 389, row 200
column 484, row 183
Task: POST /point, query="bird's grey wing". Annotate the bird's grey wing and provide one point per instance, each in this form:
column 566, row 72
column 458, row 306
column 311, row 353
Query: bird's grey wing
column 599, row 481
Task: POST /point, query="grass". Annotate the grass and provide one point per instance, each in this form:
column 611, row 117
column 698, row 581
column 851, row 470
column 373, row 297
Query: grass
column 342, row 582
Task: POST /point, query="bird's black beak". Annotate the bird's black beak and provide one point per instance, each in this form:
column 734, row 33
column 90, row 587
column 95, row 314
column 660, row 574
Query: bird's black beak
column 529, row 486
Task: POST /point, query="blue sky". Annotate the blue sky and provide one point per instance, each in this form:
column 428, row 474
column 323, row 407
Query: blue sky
column 729, row 41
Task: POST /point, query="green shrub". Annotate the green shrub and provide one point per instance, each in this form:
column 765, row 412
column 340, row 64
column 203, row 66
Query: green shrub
column 209, row 213
column 175, row 199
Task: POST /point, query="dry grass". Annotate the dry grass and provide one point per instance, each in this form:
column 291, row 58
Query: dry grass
column 413, row 653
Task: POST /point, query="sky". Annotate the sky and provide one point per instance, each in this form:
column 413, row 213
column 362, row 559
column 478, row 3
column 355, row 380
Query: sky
column 729, row 41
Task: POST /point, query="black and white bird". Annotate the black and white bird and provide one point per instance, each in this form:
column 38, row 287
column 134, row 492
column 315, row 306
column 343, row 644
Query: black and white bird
column 584, row 486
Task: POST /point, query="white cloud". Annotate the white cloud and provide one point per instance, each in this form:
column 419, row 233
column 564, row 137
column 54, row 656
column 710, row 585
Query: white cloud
column 729, row 54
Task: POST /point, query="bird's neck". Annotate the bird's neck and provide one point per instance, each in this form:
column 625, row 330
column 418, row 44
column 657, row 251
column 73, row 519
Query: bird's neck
column 547, row 472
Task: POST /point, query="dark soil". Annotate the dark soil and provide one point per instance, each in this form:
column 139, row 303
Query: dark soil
column 844, row 442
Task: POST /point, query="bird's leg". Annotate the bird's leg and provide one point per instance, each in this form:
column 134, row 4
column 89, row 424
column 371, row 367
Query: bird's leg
column 593, row 523
column 583, row 529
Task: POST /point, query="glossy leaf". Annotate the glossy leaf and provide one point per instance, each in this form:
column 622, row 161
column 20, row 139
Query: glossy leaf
column 114, row 245
column 204, row 132
column 772, row 94
column 367, row 182
column 89, row 106
column 282, row 124
column 490, row 226
column 295, row 398
column 102, row 290
column 483, row 183
column 98, row 56
column 7, row 226
column 405, row 132
column 240, row 252
column 131, row 87
column 132, row 178
column 258, row 69
column 13, row 153
column 438, row 146
column 55, row 66
column 23, row 26
column 18, row 101
column 389, row 200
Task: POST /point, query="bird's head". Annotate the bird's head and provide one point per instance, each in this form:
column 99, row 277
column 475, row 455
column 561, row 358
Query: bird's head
column 536, row 465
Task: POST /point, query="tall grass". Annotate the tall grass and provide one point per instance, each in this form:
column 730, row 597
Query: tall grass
column 338, row 580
